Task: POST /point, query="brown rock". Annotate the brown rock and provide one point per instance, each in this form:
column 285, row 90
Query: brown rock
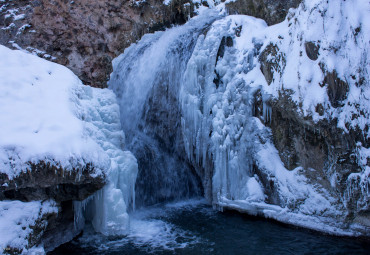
column 85, row 35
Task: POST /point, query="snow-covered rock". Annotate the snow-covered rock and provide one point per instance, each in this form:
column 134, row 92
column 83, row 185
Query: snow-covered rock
column 22, row 224
column 41, row 116
column 62, row 140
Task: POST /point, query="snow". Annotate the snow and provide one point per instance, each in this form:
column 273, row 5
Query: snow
column 17, row 219
column 216, row 95
column 217, row 124
column 39, row 117
column 47, row 114
column 333, row 25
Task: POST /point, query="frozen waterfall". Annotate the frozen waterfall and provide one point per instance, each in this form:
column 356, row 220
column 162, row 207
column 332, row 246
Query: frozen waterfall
column 146, row 80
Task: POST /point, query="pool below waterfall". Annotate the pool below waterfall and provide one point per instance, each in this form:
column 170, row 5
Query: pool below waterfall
column 193, row 227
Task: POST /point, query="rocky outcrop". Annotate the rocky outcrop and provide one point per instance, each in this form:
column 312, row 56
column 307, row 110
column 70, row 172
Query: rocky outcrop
column 26, row 223
column 327, row 154
column 330, row 141
column 85, row 35
column 47, row 181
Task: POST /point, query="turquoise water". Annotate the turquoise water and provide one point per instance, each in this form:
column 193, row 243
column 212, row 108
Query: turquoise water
column 193, row 227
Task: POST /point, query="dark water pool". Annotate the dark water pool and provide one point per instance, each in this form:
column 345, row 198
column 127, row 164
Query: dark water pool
column 192, row 227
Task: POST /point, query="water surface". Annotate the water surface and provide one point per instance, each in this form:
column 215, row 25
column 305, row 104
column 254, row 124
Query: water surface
column 193, row 227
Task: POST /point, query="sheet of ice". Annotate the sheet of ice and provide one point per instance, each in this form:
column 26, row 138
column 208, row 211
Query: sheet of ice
column 108, row 208
column 17, row 219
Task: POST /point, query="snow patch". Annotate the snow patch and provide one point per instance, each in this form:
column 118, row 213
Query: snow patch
column 17, row 220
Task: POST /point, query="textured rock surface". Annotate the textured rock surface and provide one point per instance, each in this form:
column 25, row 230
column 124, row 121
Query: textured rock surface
column 84, row 35
column 42, row 182
column 329, row 150
column 322, row 150
column 45, row 181
column 23, row 224
column 61, row 228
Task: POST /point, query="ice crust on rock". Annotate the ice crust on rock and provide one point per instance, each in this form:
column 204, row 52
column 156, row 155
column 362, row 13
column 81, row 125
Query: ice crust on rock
column 218, row 124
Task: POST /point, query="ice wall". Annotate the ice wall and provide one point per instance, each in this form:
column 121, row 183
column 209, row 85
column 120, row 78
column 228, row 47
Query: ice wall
column 48, row 115
column 217, row 105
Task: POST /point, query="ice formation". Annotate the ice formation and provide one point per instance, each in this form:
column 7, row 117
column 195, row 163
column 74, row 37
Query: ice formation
column 108, row 208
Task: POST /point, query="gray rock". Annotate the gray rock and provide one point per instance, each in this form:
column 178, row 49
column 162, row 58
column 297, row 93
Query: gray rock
column 45, row 181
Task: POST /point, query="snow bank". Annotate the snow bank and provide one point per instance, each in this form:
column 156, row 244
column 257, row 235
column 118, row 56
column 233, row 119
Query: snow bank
column 17, row 220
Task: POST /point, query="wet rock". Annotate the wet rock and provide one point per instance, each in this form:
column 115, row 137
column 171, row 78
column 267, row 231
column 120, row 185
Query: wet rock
column 272, row 60
column 312, row 50
column 337, row 89
column 61, row 228
column 226, row 41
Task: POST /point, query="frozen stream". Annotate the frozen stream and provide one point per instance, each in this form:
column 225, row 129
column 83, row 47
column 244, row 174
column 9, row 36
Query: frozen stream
column 192, row 227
